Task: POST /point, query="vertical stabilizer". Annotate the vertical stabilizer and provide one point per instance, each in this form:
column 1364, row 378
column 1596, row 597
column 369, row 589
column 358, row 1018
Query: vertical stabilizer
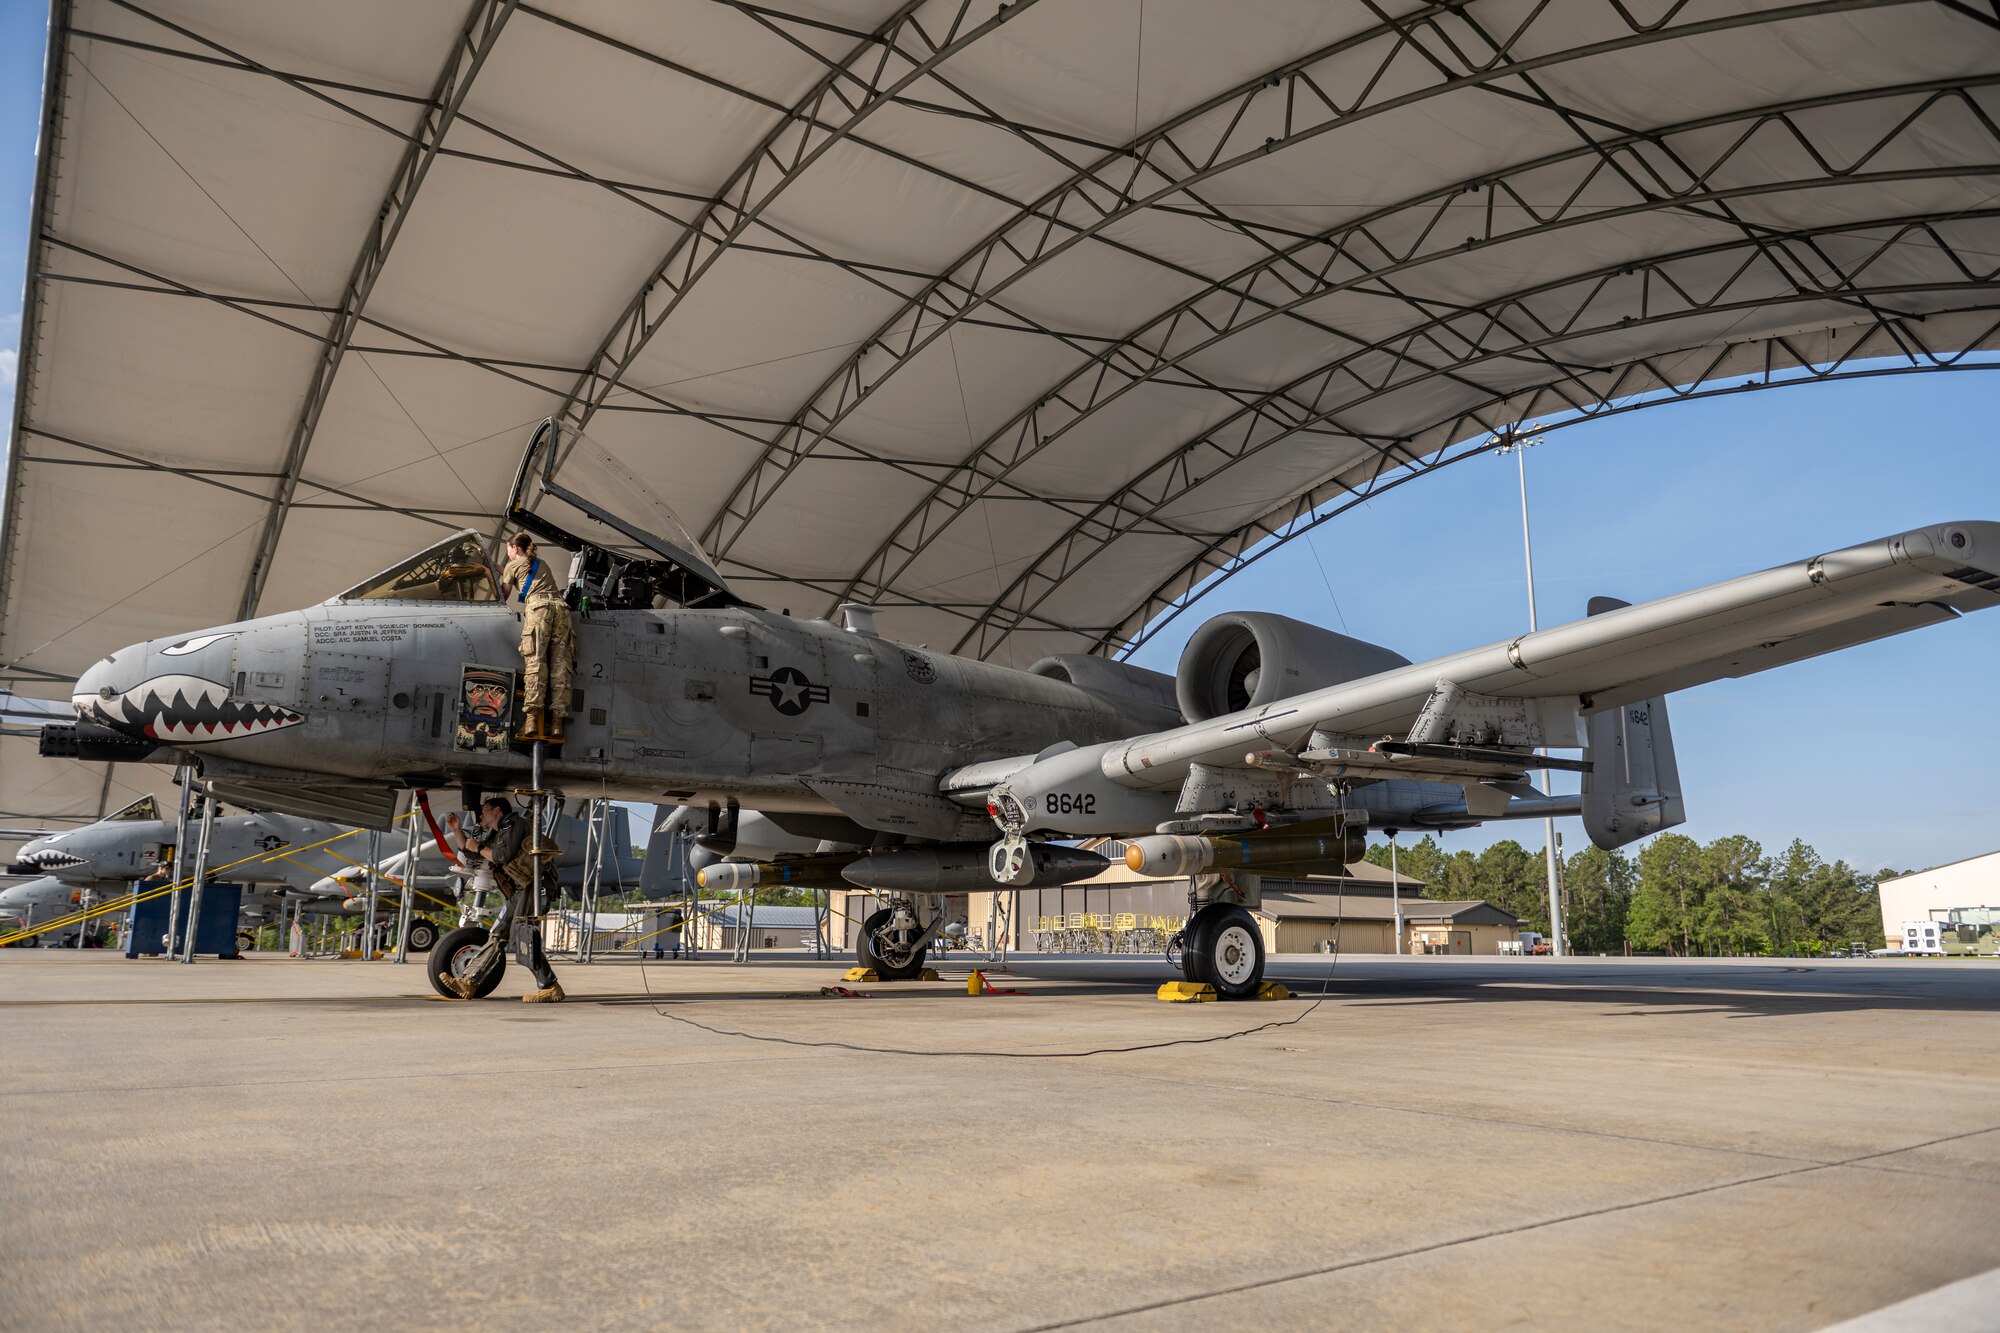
column 1634, row 785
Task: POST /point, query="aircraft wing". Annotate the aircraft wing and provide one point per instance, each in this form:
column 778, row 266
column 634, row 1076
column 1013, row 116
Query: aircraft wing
column 1622, row 654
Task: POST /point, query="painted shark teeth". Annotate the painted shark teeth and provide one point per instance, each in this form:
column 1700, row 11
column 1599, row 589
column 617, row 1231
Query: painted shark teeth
column 49, row 858
column 186, row 710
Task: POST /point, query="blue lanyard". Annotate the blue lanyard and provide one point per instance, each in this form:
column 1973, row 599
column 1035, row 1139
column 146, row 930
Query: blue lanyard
column 534, row 568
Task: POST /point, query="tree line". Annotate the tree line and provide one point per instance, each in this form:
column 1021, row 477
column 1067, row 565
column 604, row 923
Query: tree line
column 1677, row 896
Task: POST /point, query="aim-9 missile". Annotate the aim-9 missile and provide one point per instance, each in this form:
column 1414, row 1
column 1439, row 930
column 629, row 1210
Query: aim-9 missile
column 1169, row 854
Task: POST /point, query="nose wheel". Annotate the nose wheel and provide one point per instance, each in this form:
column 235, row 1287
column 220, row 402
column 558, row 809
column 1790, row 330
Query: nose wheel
column 1223, row 947
column 452, row 956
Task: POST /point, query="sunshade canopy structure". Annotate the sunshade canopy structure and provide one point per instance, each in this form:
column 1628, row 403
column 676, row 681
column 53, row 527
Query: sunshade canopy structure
column 1018, row 321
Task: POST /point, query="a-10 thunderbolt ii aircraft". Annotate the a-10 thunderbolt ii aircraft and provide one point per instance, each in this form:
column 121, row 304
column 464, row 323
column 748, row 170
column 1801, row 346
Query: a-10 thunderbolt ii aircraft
column 275, row 857
column 916, row 774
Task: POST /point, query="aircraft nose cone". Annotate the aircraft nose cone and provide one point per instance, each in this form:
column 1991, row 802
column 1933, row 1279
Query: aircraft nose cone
column 177, row 691
column 96, row 687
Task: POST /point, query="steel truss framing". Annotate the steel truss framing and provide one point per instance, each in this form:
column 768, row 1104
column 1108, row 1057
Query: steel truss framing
column 1870, row 352
column 1367, row 253
column 1523, row 353
column 890, row 60
column 1196, row 145
column 1516, row 336
column 475, row 42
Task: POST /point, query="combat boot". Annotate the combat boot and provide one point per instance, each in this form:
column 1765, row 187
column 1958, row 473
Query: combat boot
column 548, row 994
column 554, row 733
column 459, row 986
column 531, row 727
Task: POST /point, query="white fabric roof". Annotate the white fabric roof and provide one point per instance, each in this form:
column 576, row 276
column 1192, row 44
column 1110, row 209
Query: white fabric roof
column 1019, row 321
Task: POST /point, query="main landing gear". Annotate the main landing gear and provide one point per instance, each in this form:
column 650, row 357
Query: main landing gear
column 894, row 942
column 1222, row 946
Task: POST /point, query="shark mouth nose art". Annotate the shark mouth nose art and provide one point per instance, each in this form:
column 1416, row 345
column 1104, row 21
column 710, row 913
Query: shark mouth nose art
column 50, row 858
column 185, row 709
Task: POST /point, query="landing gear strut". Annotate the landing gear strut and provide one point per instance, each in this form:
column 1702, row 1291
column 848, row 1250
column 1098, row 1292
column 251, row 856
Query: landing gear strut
column 1222, row 946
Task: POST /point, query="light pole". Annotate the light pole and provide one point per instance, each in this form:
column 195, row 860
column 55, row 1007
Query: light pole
column 1517, row 440
column 1395, row 889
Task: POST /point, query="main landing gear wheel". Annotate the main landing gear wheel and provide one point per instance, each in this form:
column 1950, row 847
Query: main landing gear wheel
column 452, row 955
column 1223, row 947
column 423, row 934
column 891, row 954
column 246, row 940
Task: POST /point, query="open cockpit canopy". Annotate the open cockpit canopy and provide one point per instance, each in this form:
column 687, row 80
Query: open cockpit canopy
column 637, row 552
column 145, row 808
column 454, row 570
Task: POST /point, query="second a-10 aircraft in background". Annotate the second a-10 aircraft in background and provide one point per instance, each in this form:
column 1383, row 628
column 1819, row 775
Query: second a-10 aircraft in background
column 278, row 859
column 916, row 774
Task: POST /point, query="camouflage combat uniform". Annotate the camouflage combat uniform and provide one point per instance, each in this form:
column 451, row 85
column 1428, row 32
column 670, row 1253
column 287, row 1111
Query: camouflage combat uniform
column 548, row 640
column 514, row 868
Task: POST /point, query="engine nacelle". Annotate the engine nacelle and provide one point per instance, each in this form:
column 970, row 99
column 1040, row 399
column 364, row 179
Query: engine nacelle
column 1244, row 659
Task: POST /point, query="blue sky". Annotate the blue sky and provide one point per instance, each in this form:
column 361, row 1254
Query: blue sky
column 23, row 30
column 1885, row 754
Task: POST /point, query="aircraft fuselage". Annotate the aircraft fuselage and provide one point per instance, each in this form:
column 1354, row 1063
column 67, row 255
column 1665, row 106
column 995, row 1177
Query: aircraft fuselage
column 679, row 705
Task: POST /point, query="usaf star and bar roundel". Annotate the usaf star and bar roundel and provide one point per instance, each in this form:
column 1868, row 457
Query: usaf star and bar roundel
column 789, row 690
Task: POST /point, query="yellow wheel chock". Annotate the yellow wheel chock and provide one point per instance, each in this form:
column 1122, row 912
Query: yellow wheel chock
column 1193, row 992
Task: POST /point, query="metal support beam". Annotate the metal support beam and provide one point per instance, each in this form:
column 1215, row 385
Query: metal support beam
column 596, row 816
column 475, row 43
column 184, row 778
column 1393, row 241
column 410, row 859
column 1474, row 336
column 1166, row 161
column 374, row 882
column 1643, row 386
column 902, row 54
column 200, row 876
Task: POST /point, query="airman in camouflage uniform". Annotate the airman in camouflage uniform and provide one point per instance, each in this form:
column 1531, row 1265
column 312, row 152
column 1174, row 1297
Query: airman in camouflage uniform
column 505, row 840
column 548, row 641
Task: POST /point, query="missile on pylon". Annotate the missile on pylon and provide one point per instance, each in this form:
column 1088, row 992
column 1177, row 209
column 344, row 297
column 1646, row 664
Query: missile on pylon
column 967, row 868
column 1169, row 855
column 807, row 872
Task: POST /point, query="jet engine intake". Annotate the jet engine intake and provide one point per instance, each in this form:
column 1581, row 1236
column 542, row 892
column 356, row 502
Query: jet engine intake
column 1244, row 659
